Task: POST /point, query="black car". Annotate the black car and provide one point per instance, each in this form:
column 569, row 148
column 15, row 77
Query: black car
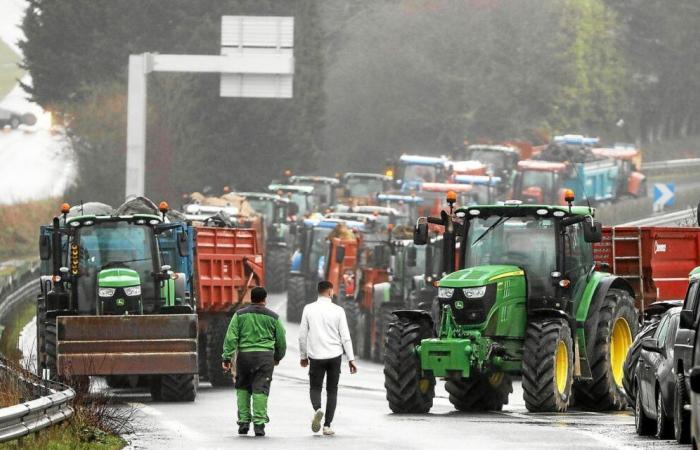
column 652, row 314
column 655, row 379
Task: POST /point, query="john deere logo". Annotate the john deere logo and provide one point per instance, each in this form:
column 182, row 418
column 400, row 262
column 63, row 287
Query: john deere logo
column 121, row 302
column 459, row 304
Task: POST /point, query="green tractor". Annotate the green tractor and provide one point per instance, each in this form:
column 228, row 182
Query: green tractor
column 522, row 297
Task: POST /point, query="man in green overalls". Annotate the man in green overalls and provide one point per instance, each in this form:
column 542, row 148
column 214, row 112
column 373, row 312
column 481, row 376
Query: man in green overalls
column 255, row 339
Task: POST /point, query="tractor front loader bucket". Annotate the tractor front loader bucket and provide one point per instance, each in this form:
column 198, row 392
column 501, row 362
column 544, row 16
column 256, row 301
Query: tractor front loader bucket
column 127, row 345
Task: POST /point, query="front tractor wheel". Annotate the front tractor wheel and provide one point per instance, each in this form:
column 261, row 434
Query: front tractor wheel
column 276, row 268
column 609, row 331
column 480, row 392
column 547, row 366
column 408, row 389
column 296, row 291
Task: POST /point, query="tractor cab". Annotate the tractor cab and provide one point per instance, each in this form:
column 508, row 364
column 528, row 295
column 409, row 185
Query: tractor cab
column 500, row 160
column 407, row 205
column 540, row 182
column 382, row 215
column 302, row 201
column 323, row 188
column 484, row 189
column 275, row 211
column 413, row 170
column 363, row 188
column 434, row 195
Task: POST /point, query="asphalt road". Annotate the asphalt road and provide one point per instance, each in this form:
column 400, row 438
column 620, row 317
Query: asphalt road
column 363, row 419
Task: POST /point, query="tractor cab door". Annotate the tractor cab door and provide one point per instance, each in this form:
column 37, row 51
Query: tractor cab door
column 578, row 259
column 175, row 245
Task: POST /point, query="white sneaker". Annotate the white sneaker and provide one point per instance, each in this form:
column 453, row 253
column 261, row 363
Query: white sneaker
column 316, row 423
column 328, row 431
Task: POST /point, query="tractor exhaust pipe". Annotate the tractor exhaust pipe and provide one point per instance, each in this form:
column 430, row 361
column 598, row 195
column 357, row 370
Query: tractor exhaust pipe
column 56, row 247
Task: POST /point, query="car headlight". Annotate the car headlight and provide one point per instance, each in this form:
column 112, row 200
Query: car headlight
column 132, row 291
column 445, row 292
column 474, row 292
column 105, row 292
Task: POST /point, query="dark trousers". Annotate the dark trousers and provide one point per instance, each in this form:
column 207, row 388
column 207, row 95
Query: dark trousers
column 330, row 369
column 253, row 378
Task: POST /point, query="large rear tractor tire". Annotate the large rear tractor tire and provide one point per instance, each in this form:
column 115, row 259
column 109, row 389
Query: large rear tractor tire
column 276, row 269
column 547, row 366
column 50, row 340
column 385, row 316
column 215, row 344
column 295, row 298
column 354, row 315
column 174, row 387
column 360, row 342
column 610, row 332
column 408, row 389
column 480, row 392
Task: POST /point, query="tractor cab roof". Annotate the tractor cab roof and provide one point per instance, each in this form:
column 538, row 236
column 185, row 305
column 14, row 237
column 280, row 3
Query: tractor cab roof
column 366, row 175
column 478, row 180
column 445, row 187
column 423, row 160
column 514, row 208
column 136, row 219
column 301, row 179
column 627, row 153
column 197, row 212
column 494, row 148
column 292, row 188
column 262, row 196
column 542, row 166
column 332, row 223
column 378, row 210
column 399, row 198
column 351, row 216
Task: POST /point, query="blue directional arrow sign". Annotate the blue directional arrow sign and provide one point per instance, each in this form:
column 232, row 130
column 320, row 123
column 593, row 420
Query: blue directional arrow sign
column 664, row 195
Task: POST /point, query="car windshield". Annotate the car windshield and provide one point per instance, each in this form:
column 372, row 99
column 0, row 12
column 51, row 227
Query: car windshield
column 527, row 242
column 115, row 244
column 538, row 178
column 420, row 173
column 493, row 158
column 363, row 186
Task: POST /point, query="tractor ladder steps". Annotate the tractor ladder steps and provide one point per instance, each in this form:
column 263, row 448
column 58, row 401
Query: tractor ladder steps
column 637, row 270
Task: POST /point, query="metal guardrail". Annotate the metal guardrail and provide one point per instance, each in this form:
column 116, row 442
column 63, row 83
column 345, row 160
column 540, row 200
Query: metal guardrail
column 671, row 165
column 52, row 406
column 686, row 217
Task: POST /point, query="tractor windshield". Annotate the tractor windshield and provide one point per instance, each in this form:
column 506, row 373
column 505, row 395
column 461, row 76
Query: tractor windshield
column 419, row 173
column 537, row 184
column 318, row 251
column 527, row 242
column 496, row 160
column 363, row 186
column 262, row 206
column 302, row 201
column 115, row 244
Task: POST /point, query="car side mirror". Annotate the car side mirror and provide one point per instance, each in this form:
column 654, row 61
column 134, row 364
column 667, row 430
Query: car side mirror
column 420, row 234
column 651, row 345
column 339, row 254
column 695, row 379
column 687, row 319
column 183, row 247
column 592, row 231
column 45, row 247
column 411, row 256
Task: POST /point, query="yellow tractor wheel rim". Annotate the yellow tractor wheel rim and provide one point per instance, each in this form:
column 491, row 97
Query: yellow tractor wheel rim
column 620, row 343
column 495, row 379
column 423, row 385
column 561, row 367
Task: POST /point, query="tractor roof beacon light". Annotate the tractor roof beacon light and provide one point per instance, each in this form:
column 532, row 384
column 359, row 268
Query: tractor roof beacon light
column 569, row 198
column 65, row 209
column 163, row 208
column 451, row 199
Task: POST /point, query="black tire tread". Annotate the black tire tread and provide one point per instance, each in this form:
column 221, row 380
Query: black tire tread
column 178, row 387
column 215, row 343
column 478, row 394
column 276, row 268
column 295, row 298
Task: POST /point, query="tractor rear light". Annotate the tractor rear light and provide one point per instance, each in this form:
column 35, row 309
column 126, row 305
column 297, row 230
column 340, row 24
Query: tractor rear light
column 564, row 283
column 445, row 292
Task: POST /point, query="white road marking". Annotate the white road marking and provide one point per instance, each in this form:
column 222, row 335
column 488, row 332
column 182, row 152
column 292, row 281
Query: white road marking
column 176, row 427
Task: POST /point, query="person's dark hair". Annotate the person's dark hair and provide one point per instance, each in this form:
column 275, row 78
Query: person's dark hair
column 258, row 295
column 324, row 286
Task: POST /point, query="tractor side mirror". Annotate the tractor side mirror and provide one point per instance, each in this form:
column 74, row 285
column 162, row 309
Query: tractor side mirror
column 651, row 345
column 183, row 247
column 687, row 319
column 695, row 379
column 339, row 255
column 420, row 234
column 45, row 247
column 411, row 256
column 592, row 231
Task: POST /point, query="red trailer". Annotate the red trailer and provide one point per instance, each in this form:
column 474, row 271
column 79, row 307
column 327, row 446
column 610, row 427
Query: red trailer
column 228, row 264
column 655, row 260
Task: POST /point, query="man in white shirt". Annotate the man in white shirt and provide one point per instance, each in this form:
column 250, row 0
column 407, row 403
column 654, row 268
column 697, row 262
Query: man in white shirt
column 323, row 338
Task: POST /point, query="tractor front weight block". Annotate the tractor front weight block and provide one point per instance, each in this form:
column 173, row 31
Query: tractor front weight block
column 455, row 357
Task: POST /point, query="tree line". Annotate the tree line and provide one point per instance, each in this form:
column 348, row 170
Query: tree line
column 373, row 79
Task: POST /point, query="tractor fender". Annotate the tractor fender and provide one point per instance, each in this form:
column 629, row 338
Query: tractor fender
column 381, row 295
column 296, row 261
column 415, row 315
column 587, row 314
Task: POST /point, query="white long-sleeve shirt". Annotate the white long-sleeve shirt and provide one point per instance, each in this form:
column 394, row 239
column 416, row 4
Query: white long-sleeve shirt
column 324, row 332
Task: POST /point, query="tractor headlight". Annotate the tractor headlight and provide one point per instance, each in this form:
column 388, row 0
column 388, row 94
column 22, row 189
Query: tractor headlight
column 106, row 292
column 474, row 292
column 132, row 291
column 445, row 292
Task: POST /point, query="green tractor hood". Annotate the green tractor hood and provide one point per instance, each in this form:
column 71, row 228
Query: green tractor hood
column 480, row 276
column 118, row 277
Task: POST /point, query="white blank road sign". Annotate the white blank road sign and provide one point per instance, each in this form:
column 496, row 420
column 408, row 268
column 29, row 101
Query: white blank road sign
column 270, row 38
